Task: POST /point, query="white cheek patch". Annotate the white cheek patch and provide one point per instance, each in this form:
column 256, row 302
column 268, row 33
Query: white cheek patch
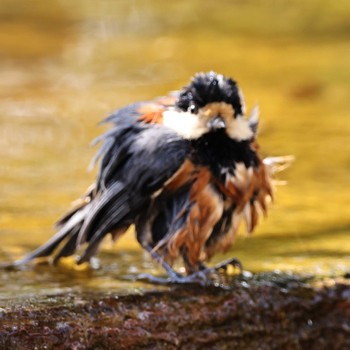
column 186, row 124
column 193, row 126
column 239, row 129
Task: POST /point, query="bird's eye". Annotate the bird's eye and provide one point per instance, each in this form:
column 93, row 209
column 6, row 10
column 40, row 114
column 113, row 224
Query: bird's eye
column 192, row 108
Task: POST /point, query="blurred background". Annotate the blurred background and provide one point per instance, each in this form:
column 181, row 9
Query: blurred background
column 64, row 65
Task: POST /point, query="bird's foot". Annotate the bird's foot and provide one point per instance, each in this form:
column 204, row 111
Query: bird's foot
column 199, row 277
column 205, row 277
column 224, row 265
column 219, row 273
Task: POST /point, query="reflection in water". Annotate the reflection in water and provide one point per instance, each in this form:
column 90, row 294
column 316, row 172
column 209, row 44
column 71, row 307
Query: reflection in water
column 64, row 66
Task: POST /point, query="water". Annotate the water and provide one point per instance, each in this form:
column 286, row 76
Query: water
column 64, row 66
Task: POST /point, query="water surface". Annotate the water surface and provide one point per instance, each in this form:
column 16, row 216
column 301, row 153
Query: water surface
column 65, row 65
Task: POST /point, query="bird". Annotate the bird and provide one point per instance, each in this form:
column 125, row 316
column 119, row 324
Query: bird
column 184, row 169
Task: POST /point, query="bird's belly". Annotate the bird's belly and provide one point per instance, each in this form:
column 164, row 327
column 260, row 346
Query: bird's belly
column 214, row 210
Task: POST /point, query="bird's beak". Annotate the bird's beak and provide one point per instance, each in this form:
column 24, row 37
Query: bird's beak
column 216, row 123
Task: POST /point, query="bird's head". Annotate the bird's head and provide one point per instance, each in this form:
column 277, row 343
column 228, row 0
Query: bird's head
column 211, row 103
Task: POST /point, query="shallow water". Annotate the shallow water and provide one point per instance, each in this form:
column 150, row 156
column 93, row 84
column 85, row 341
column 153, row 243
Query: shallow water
column 64, row 66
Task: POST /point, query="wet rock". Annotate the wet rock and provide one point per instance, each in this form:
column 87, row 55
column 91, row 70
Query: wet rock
column 254, row 312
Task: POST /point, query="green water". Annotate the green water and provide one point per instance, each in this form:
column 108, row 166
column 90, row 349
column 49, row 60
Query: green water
column 65, row 65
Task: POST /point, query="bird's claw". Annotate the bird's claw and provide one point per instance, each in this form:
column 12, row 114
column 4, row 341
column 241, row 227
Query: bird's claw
column 202, row 277
column 199, row 277
column 234, row 262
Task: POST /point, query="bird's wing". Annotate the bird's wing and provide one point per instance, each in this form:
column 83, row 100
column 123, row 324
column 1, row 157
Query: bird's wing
column 136, row 164
column 146, row 111
column 129, row 117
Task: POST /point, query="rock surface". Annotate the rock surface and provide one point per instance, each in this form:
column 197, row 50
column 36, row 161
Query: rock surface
column 261, row 312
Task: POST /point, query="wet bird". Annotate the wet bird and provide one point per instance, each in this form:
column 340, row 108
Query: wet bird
column 184, row 169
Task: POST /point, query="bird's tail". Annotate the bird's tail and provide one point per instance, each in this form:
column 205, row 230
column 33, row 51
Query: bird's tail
column 65, row 240
column 97, row 214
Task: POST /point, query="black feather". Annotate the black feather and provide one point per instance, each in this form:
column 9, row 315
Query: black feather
column 71, row 227
column 216, row 150
column 168, row 206
column 125, row 115
column 135, row 161
column 69, row 246
column 209, row 87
